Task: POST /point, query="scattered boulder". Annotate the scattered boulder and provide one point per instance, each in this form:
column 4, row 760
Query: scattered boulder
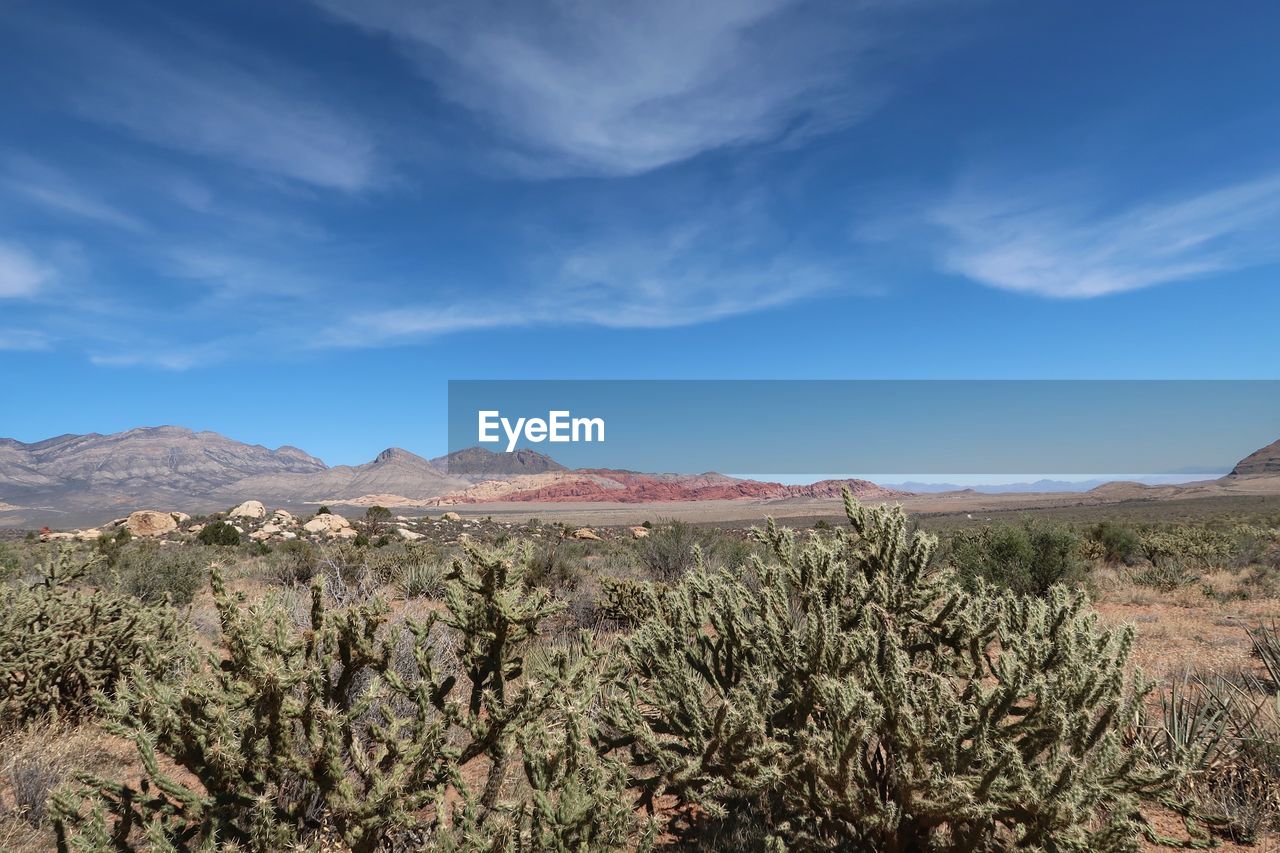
column 586, row 533
column 408, row 535
column 284, row 518
column 59, row 536
column 90, row 535
column 288, row 534
column 451, row 516
column 180, row 517
column 147, row 522
column 327, row 523
column 249, row 509
column 266, row 531
column 639, row 531
column 346, row 533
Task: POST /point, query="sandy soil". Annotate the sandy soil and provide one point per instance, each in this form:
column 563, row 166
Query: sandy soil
column 947, row 503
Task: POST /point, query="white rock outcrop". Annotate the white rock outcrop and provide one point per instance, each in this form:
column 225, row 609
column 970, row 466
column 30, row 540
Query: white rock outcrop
column 327, row 523
column 253, row 510
column 148, row 522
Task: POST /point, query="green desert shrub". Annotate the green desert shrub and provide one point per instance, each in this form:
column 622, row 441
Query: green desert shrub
column 1028, row 558
column 557, row 564
column 295, row 563
column 422, row 580
column 1117, row 543
column 850, row 697
column 220, row 533
column 59, row 643
column 10, row 563
column 670, row 550
column 1167, row 574
column 155, row 572
column 345, row 729
column 111, row 545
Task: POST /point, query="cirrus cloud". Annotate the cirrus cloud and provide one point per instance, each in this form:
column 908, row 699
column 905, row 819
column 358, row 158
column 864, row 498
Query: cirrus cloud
column 1048, row 240
column 623, row 88
column 21, row 273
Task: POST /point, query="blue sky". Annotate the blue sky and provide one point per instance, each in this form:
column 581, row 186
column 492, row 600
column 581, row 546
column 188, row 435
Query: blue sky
column 293, row 222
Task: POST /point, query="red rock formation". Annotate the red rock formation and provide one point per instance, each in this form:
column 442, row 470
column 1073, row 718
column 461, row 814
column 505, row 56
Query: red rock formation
column 596, row 485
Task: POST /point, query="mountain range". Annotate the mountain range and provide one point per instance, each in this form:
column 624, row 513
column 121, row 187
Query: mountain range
column 94, row 477
column 91, row 478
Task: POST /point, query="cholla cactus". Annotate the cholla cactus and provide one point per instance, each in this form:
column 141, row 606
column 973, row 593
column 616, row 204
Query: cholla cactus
column 859, row 700
column 59, row 643
column 1198, row 546
column 291, row 735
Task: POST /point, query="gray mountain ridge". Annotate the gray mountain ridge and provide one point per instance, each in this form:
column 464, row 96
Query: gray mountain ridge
column 177, row 468
column 75, row 479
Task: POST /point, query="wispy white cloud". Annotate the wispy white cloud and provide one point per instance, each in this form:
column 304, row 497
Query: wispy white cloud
column 21, row 273
column 23, row 340
column 42, row 184
column 199, row 97
column 173, row 360
column 622, row 88
column 1049, row 240
column 726, row 264
column 694, row 274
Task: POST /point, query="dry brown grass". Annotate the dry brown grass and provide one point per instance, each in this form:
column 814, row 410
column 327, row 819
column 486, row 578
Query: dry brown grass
column 36, row 760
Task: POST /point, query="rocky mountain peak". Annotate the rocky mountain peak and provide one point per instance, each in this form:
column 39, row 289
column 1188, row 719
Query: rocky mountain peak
column 1265, row 461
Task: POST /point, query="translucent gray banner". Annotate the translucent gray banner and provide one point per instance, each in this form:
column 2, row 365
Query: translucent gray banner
column 871, row 428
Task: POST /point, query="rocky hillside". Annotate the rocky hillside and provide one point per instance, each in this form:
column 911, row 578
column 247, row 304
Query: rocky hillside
column 1264, row 462
column 79, row 479
column 393, row 472
column 605, row 485
column 169, row 456
column 88, row 477
column 168, row 465
column 476, row 463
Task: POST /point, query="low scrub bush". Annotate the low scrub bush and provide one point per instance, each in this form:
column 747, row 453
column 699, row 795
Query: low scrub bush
column 852, row 698
column 1117, row 543
column 221, row 533
column 10, row 563
column 156, row 573
column 670, row 550
column 1167, row 575
column 423, row 580
column 558, row 564
column 60, row 644
column 1027, row 558
column 295, row 563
